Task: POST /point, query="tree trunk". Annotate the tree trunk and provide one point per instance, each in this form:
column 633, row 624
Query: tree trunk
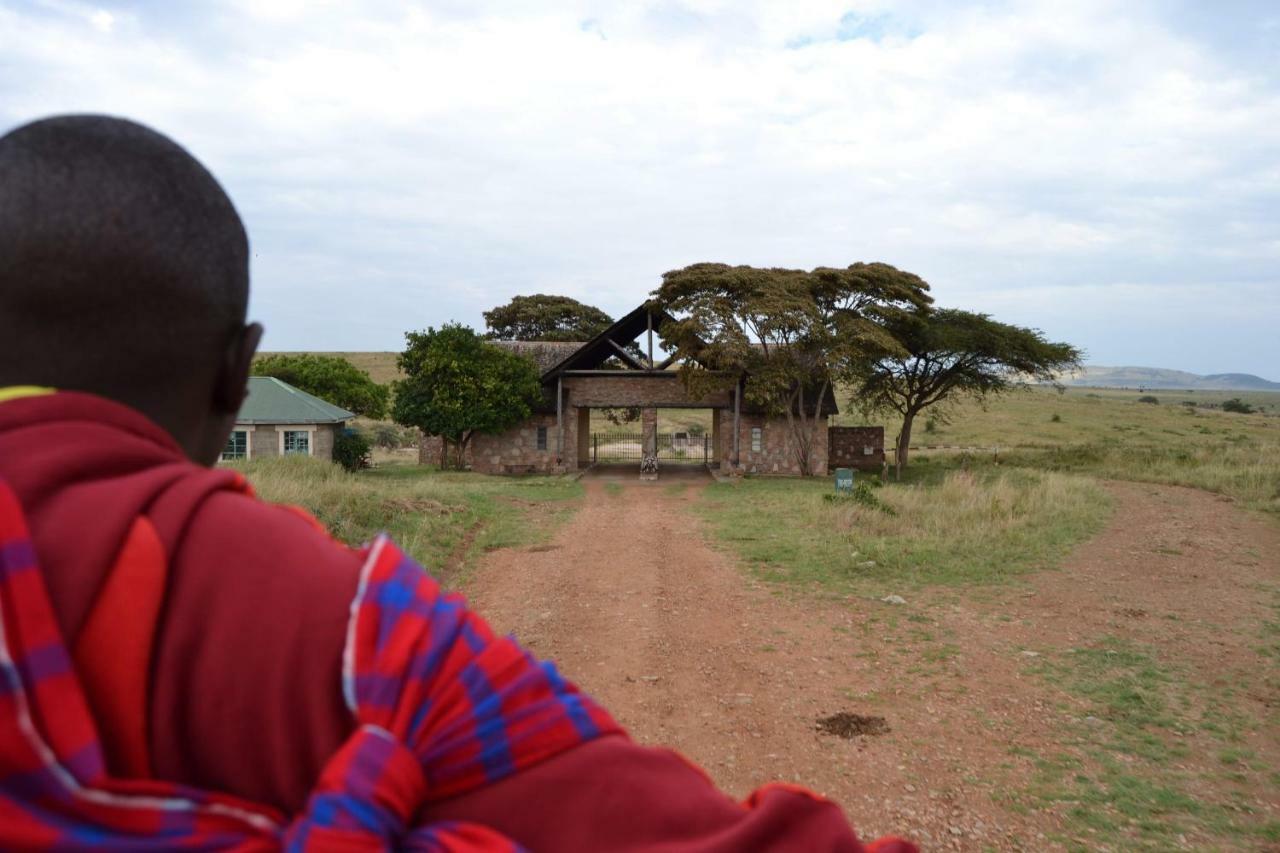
column 796, row 401
column 444, row 453
column 462, row 449
column 904, row 444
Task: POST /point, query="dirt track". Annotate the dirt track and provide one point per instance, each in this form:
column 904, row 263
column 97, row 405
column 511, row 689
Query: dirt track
column 688, row 651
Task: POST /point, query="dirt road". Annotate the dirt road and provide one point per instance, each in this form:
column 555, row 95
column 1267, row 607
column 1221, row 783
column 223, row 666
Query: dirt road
column 688, row 651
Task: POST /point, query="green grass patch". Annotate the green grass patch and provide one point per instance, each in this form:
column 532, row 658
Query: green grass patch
column 945, row 527
column 442, row 519
column 1123, row 770
column 1108, row 433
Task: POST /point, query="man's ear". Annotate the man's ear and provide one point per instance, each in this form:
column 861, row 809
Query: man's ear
column 232, row 383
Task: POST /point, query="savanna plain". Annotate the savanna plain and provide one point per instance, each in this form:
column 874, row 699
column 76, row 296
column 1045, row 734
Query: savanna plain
column 1067, row 638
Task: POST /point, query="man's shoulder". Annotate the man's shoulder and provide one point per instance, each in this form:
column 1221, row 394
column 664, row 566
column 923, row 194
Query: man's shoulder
column 241, row 542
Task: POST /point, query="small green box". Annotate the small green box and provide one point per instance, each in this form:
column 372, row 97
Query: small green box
column 844, row 480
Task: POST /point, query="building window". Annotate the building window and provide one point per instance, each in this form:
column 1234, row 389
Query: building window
column 542, row 438
column 297, row 442
column 237, row 445
column 757, row 434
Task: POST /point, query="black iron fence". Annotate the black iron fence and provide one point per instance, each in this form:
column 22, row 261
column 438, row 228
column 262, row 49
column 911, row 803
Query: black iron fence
column 674, row 448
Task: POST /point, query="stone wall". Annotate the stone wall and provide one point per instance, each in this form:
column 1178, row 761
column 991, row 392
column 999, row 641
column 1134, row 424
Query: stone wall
column 265, row 442
column 857, row 447
column 633, row 389
column 777, row 453
column 264, row 439
column 516, row 450
column 322, row 440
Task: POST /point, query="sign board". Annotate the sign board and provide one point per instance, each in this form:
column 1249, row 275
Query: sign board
column 844, row 480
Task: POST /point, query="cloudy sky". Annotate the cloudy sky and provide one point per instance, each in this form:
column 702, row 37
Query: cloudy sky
column 1106, row 171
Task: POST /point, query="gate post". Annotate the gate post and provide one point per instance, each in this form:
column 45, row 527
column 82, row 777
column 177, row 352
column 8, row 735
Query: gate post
column 649, row 431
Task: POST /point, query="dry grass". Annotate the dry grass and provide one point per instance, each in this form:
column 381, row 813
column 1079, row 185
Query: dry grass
column 957, row 528
column 1108, row 433
column 441, row 519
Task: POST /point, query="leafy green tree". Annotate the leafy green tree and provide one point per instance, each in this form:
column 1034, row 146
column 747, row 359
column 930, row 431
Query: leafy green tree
column 545, row 318
column 351, row 450
column 330, row 378
column 1235, row 404
column 456, row 385
column 794, row 333
column 951, row 355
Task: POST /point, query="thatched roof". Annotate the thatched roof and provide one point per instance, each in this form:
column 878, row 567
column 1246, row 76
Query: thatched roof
column 545, row 354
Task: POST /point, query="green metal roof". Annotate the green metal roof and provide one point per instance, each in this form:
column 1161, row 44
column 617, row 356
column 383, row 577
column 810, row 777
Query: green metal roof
column 271, row 401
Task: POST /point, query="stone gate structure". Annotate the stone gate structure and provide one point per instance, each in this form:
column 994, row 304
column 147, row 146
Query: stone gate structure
column 611, row 372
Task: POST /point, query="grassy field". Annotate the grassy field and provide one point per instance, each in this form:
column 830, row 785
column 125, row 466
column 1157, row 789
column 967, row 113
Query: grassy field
column 442, row 519
column 940, row 526
column 1109, row 434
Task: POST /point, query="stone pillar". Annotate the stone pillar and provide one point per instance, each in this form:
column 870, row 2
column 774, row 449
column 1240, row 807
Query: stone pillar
column 584, row 436
column 649, row 430
column 716, row 455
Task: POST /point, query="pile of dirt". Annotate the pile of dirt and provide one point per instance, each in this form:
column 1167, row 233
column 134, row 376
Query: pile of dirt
column 848, row 725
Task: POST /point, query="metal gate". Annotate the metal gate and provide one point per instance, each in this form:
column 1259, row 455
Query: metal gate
column 674, row 448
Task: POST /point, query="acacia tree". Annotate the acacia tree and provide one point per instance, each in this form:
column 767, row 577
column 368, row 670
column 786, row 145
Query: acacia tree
column 328, row 377
column 951, row 355
column 545, row 318
column 456, row 385
column 794, row 333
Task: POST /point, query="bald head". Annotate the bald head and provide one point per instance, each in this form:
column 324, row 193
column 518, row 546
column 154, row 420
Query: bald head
column 124, row 271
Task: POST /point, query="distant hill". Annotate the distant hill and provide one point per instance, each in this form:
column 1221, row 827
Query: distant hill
column 1155, row 377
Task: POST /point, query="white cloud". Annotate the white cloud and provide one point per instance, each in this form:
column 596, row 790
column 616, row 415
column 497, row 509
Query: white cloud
column 442, row 157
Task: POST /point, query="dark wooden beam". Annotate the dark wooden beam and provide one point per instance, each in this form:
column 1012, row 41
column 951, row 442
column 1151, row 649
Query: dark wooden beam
column 627, row 358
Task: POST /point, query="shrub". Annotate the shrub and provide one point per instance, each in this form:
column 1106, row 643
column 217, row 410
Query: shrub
column 1235, row 404
column 1147, row 398
column 931, row 425
column 389, row 436
column 1057, row 418
column 351, row 450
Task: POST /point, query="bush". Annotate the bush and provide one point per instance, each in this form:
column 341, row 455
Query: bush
column 1057, row 418
column 390, row 437
column 351, row 450
column 931, row 425
column 1235, row 404
column 1147, row 398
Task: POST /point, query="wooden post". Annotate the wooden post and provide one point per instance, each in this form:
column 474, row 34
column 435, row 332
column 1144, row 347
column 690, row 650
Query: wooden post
column 737, row 424
column 648, row 319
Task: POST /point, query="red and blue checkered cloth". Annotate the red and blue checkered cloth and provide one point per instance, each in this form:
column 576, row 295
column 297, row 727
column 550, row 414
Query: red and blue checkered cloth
column 442, row 706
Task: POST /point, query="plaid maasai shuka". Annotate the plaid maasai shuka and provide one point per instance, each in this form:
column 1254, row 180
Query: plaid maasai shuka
column 442, row 707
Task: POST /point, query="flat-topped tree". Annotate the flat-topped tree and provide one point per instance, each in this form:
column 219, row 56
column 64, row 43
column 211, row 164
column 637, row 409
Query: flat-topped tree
column 541, row 317
column 794, row 333
column 458, row 384
column 950, row 355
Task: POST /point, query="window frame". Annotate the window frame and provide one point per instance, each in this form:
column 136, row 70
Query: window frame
column 757, row 439
column 309, row 429
column 247, row 429
column 540, row 438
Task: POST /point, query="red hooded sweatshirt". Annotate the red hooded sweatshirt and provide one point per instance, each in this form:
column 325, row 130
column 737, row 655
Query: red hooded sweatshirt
column 243, row 690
